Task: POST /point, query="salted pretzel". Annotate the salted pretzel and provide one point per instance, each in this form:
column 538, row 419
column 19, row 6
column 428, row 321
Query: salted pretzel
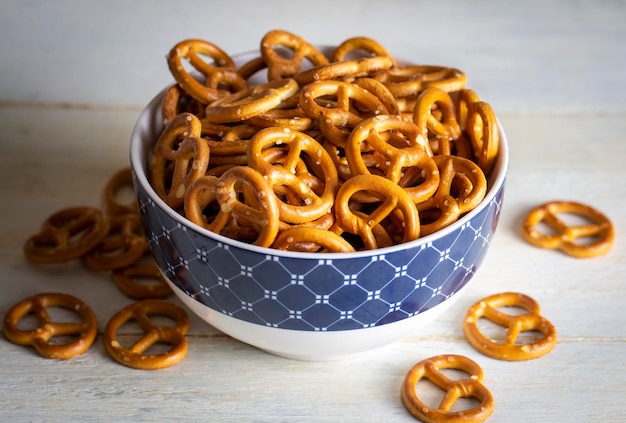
column 510, row 348
column 445, row 128
column 405, row 81
column 379, row 89
column 392, row 199
column 251, row 102
column 365, row 66
column 279, row 66
column 222, row 77
column 337, row 122
column 378, row 133
column 67, row 234
column 311, row 239
column 177, row 101
column 581, row 241
column 124, row 245
column 311, row 205
column 82, row 333
column 135, row 356
column 356, row 45
column 118, row 182
column 451, row 203
column 469, row 387
column 181, row 147
column 141, row 281
column 482, row 131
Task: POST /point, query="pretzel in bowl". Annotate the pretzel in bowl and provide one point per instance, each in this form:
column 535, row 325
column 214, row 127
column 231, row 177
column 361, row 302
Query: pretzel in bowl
column 280, row 65
column 136, row 356
column 483, row 134
column 354, row 45
column 510, row 348
column 311, row 239
column 581, row 241
column 67, row 234
column 455, row 389
column 83, row 333
column 443, row 130
column 222, row 77
column 410, row 80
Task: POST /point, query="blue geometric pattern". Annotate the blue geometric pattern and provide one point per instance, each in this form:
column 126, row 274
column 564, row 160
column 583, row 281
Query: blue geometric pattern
column 318, row 294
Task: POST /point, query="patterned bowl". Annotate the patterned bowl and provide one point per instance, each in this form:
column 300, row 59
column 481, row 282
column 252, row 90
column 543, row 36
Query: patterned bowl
column 311, row 306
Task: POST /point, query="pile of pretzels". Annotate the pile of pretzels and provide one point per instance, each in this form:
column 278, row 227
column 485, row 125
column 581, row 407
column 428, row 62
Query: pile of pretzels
column 335, row 152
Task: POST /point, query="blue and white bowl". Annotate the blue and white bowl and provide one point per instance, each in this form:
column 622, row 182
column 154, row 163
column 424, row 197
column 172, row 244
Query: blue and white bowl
column 311, row 306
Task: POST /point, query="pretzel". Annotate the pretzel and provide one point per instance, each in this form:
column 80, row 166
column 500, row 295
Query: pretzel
column 570, row 239
column 310, row 206
column 179, row 145
column 124, row 245
column 136, row 356
column 510, row 349
column 445, row 128
column 251, row 67
column 357, row 68
column 221, row 78
column 279, row 67
column 404, row 81
column 482, row 131
column 121, row 180
column 355, row 44
column 393, row 199
column 379, row 89
column 337, row 122
column 177, row 101
column 471, row 387
column 311, row 239
column 464, row 100
column 130, row 279
column 67, row 235
column 84, row 332
column 452, row 206
column 377, row 133
column 251, row 102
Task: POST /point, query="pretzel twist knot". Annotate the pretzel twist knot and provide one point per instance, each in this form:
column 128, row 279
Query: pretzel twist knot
column 471, row 387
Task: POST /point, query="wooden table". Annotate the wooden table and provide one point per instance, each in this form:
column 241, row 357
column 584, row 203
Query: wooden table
column 72, row 87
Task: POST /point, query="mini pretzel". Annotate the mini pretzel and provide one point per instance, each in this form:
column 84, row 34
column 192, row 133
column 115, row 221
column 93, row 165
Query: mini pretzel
column 221, row 78
column 510, row 349
column 310, row 239
column 67, row 235
column 85, row 331
column 122, row 179
column 377, row 133
column 600, row 231
column 279, row 67
column 251, row 102
column 311, row 205
column 141, row 312
column 124, row 245
column 392, row 198
column 405, row 81
column 445, row 128
column 471, row 387
column 482, row 131
column 179, row 144
column 452, row 205
column 129, row 281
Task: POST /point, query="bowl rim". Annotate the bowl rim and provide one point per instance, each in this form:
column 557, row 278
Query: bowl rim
column 139, row 165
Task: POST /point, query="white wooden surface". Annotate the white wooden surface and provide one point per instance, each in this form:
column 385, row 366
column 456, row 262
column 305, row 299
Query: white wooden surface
column 75, row 75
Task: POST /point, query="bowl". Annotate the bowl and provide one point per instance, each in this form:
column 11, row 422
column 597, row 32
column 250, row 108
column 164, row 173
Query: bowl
column 311, row 306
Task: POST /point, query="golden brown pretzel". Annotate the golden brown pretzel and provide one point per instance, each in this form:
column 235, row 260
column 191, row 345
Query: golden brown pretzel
column 357, row 44
column 378, row 132
column 464, row 100
column 567, row 238
column 135, row 356
column 279, row 67
column 120, row 181
column 222, row 78
column 443, row 129
column 181, row 147
column 131, row 281
column 67, row 235
column 177, row 101
column 346, row 69
column 337, row 121
column 124, row 245
column 392, row 199
column 470, row 387
column 250, row 102
column 311, row 239
column 85, row 332
column 405, row 81
column 311, row 205
column 381, row 92
column 450, row 204
column 483, row 134
column 510, row 348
